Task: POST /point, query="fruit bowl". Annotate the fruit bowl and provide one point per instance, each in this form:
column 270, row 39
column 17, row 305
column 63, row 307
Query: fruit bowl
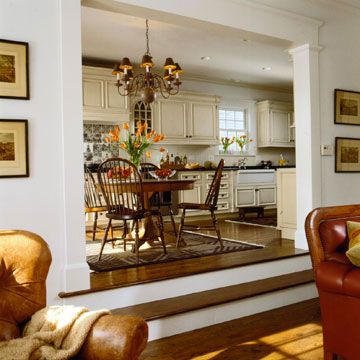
column 162, row 174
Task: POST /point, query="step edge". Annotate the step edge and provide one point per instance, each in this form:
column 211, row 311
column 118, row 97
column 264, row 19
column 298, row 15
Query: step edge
column 68, row 294
column 237, row 298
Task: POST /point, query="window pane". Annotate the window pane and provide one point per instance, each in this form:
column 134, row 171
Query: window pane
column 239, row 125
column 230, row 115
column 223, row 133
column 222, row 124
column 221, row 114
column 230, row 124
column 239, row 115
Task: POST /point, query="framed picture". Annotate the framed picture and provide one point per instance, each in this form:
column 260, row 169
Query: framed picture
column 14, row 148
column 347, row 155
column 347, row 107
column 14, row 70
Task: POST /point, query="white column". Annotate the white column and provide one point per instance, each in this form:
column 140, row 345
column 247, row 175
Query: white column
column 75, row 270
column 307, row 119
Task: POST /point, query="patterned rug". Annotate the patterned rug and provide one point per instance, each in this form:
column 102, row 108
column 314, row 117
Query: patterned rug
column 197, row 246
column 264, row 222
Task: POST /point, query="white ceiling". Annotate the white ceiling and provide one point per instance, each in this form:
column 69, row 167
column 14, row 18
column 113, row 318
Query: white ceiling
column 234, row 56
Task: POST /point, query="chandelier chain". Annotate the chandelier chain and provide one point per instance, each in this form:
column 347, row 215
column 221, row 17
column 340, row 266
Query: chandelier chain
column 147, row 37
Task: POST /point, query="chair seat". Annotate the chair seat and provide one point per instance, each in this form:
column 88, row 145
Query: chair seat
column 194, row 206
column 340, row 278
column 130, row 215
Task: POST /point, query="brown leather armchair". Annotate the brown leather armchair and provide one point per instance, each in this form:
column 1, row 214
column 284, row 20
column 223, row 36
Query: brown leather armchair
column 337, row 280
column 24, row 263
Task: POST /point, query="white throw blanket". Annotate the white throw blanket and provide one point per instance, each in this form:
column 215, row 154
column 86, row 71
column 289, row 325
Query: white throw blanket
column 53, row 333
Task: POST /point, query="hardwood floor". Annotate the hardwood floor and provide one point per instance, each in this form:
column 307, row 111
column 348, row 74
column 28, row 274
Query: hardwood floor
column 292, row 332
column 275, row 248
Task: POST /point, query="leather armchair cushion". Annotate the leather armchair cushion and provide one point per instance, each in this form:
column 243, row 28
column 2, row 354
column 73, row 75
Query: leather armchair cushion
column 333, row 236
column 335, row 277
column 22, row 278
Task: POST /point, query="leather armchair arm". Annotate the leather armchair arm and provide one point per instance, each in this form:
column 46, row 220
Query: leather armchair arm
column 115, row 337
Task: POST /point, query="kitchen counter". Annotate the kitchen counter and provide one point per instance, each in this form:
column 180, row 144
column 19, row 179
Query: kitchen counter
column 93, row 168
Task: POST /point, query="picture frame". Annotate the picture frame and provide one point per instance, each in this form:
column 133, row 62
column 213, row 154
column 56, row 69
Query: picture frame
column 347, row 155
column 14, row 70
column 14, row 158
column 346, row 107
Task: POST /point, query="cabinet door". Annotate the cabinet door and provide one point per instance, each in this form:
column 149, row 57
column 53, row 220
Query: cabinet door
column 266, row 195
column 287, row 199
column 202, row 124
column 172, row 119
column 280, row 127
column 93, row 94
column 114, row 101
column 245, row 197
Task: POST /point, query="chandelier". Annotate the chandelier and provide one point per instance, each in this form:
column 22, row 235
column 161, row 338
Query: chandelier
column 147, row 83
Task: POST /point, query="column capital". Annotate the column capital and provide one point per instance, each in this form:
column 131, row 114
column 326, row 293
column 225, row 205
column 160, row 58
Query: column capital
column 303, row 48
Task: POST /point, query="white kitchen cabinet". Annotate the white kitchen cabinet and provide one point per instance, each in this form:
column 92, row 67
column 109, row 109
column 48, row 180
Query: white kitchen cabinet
column 188, row 118
column 194, row 195
column 255, row 188
column 275, row 124
column 286, row 208
column 101, row 101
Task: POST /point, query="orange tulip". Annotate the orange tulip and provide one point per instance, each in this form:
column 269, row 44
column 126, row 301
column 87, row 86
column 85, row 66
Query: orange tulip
column 157, row 138
column 137, row 145
column 162, row 136
column 148, row 136
column 162, row 149
column 145, row 126
column 152, row 132
column 148, row 154
column 107, row 139
column 123, row 145
column 126, row 126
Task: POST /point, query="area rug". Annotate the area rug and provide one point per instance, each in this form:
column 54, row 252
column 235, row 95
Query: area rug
column 270, row 222
column 197, row 245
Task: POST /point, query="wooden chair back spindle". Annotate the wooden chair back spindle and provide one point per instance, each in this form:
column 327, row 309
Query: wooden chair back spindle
column 146, row 168
column 93, row 201
column 121, row 186
column 213, row 194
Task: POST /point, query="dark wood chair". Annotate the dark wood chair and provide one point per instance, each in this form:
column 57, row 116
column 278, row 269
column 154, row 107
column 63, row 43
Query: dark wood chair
column 93, row 202
column 121, row 186
column 159, row 200
column 209, row 205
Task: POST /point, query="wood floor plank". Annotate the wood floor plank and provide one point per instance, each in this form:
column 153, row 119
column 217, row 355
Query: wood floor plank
column 181, row 304
column 292, row 332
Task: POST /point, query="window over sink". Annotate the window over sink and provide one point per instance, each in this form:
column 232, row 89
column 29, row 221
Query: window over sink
column 233, row 123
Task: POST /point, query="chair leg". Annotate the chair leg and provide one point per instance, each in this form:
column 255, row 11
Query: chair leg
column 104, row 239
column 161, row 228
column 215, row 224
column 112, row 236
column 137, row 240
column 95, row 226
column 178, row 240
column 126, row 230
column 172, row 220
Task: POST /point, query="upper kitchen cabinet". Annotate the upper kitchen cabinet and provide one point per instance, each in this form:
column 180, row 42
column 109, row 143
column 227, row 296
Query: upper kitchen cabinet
column 188, row 118
column 275, row 124
column 101, row 100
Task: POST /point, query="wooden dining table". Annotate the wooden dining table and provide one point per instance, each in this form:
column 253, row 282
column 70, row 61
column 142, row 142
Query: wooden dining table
column 151, row 186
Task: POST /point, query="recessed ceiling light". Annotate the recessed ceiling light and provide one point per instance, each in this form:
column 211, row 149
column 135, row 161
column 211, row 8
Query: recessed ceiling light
column 207, row 58
column 266, row 68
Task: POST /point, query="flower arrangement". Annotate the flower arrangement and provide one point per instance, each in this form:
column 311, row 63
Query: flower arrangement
column 226, row 142
column 242, row 141
column 135, row 144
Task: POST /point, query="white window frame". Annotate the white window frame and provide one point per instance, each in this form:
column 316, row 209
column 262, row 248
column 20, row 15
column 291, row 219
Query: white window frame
column 245, row 110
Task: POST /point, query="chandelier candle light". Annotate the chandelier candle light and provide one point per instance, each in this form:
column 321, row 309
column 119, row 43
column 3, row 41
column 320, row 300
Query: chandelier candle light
column 148, row 84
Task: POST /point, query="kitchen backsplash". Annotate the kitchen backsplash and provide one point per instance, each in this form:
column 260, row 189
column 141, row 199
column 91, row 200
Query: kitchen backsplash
column 96, row 149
